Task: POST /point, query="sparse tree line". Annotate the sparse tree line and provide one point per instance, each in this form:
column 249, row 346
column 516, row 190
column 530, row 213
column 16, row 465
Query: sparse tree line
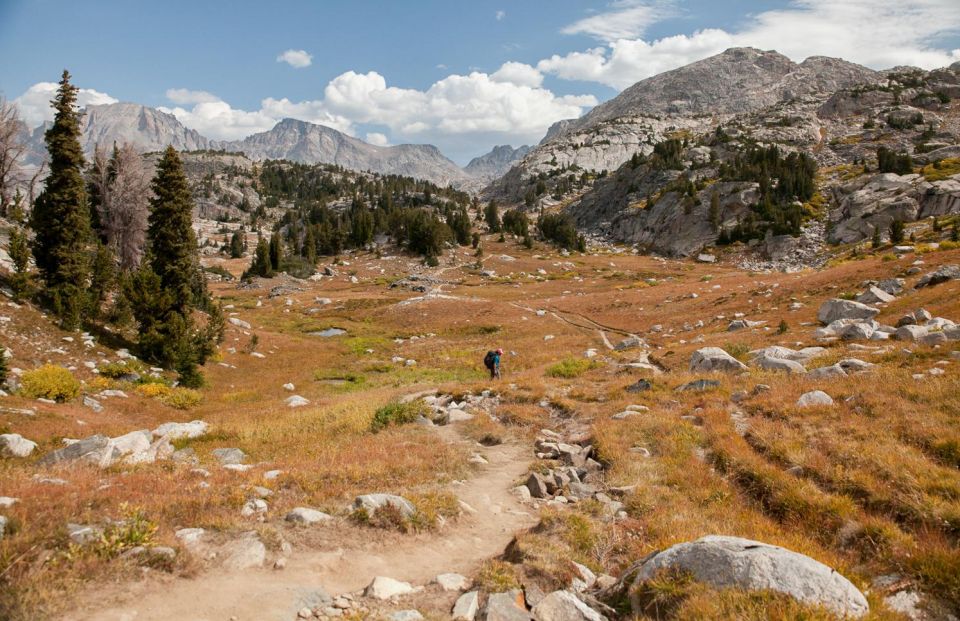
column 110, row 245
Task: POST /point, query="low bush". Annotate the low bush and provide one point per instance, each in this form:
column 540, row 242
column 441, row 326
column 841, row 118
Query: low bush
column 397, row 414
column 50, row 382
column 179, row 397
column 116, row 370
column 569, row 368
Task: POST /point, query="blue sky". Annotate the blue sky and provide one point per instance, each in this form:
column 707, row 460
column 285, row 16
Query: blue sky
column 424, row 71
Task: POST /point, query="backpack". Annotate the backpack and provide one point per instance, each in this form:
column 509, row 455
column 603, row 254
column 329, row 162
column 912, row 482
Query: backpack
column 489, row 358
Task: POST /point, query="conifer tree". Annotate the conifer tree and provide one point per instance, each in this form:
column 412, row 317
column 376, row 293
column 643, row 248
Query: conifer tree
column 61, row 217
column 236, row 245
column 276, row 251
column 173, row 246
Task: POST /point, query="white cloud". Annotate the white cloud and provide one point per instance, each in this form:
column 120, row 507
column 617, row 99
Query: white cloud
column 626, row 19
column 876, row 33
column 296, row 58
column 35, row 107
column 377, row 139
column 186, row 96
column 500, row 15
column 220, row 121
column 519, row 74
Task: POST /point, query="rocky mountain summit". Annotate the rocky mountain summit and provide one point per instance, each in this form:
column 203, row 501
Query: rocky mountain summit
column 494, row 164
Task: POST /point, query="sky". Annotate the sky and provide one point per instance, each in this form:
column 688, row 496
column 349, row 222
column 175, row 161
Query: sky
column 463, row 75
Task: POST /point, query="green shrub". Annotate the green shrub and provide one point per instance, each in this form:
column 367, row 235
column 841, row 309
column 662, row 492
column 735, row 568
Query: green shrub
column 50, row 382
column 182, row 398
column 569, row 368
column 397, row 414
column 115, row 370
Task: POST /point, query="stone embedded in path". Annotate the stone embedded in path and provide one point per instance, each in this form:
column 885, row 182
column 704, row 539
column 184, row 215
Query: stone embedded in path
column 15, row 445
column 371, row 503
column 189, row 537
column 385, row 588
column 305, row 515
column 246, row 552
column 452, row 582
column 741, row 563
column 564, row 606
column 507, row 606
column 835, row 309
column 466, row 607
column 814, row 398
column 714, row 359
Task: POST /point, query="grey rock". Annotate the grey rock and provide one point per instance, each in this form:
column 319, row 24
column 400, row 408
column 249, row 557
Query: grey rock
column 405, row 615
column 911, row 333
column 82, row 534
column 371, row 503
column 386, row 588
column 743, row 324
column 229, row 455
column 507, row 606
column 741, row 563
column 875, row 295
column 941, row 275
column 714, row 359
column 832, row 371
column 537, row 485
column 835, row 309
column 814, row 398
column 629, row 343
column 307, row 516
column 466, row 607
column 452, row 582
column 15, row 445
column 564, row 606
column 700, row 385
column 90, row 448
column 178, row 431
column 245, row 553
column 776, row 364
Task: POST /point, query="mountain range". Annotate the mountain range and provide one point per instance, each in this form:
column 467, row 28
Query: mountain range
column 151, row 130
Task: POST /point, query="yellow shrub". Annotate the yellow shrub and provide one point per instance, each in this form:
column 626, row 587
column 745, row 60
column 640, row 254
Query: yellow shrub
column 154, row 390
column 50, row 382
column 181, row 398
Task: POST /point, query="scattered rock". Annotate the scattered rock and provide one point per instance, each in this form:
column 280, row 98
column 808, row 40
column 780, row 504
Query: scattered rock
column 90, row 448
column 296, row 401
column 943, row 274
column 371, row 503
column 564, row 606
column 814, row 398
column 629, row 343
column 778, row 364
column 466, row 607
column 246, row 552
column 406, row 615
column 700, row 385
column 189, row 537
column 305, row 515
column 875, row 295
column 178, row 431
column 835, row 309
column 452, row 582
column 15, row 445
column 240, row 323
column 254, row 506
column 229, row 455
column 714, row 359
column 386, row 588
column 741, row 563
column 507, row 606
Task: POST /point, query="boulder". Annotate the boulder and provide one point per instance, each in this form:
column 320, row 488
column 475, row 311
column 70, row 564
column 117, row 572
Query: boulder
column 777, row 364
column 189, row 537
column 814, row 398
column 296, row 401
column 307, row 516
column 724, row 562
column 859, row 331
column 385, row 588
column 537, row 485
column 15, row 445
column 564, row 606
column 90, row 448
column 835, row 309
column 893, row 286
column 911, row 333
column 466, row 607
column 507, row 606
column 178, row 431
column 240, row 323
column 371, row 503
column 743, row 324
column 875, row 295
column 785, row 353
column 229, row 455
column 834, row 370
column 700, row 385
column 629, row 343
column 714, row 359
column 941, row 275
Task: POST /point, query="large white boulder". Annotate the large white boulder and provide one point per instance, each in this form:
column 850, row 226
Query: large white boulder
column 714, row 359
column 835, row 309
column 386, row 588
column 371, row 503
column 177, row 431
column 741, row 563
column 564, row 606
column 15, row 445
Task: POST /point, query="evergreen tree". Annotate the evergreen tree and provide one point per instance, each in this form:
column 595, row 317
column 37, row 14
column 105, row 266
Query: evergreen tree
column 61, row 217
column 492, row 216
column 896, row 231
column 173, row 246
column 261, row 265
column 102, row 279
column 715, row 210
column 954, row 233
column 876, row 241
column 276, row 251
column 236, row 245
column 310, row 246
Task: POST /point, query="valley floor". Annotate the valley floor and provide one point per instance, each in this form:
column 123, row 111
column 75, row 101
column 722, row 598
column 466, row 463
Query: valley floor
column 869, row 485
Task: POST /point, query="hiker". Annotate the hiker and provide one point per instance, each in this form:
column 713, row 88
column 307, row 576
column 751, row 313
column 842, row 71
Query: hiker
column 492, row 362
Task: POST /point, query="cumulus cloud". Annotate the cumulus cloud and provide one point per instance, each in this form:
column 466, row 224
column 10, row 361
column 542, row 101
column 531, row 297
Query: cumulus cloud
column 626, row 19
column 186, row 96
column 378, row 139
column 34, row 104
column 876, row 33
column 518, row 73
column 296, row 58
column 500, row 15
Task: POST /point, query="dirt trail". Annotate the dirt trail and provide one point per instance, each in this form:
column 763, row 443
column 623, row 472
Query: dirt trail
column 268, row 595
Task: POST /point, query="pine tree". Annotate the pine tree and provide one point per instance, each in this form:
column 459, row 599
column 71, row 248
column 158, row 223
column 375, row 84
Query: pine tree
column 173, row 246
column 954, row 233
column 236, row 245
column 61, row 217
column 260, row 266
column 310, row 246
column 276, row 251
column 492, row 216
column 876, row 242
column 896, row 232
